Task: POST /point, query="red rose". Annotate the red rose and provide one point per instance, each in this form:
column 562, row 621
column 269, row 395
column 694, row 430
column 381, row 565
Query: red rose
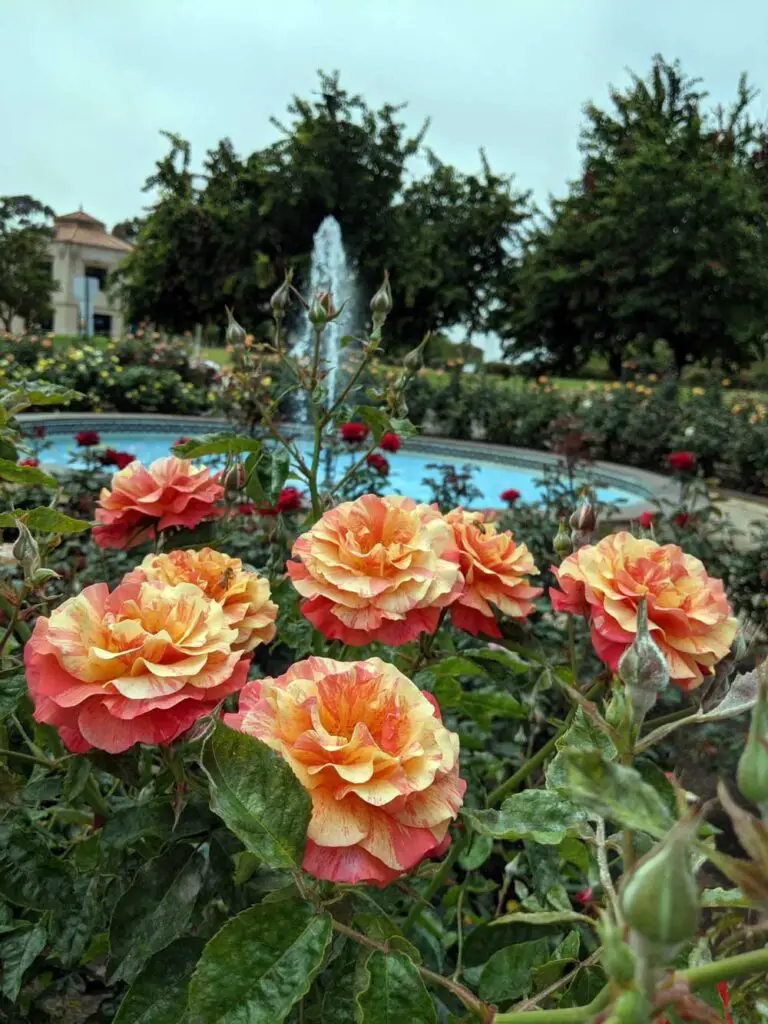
column 645, row 519
column 378, row 462
column 510, row 495
column 289, row 500
column 39, row 431
column 389, row 442
column 682, row 462
column 681, row 519
column 123, row 459
column 246, row 508
column 353, row 433
column 582, row 896
column 87, row 438
column 29, row 462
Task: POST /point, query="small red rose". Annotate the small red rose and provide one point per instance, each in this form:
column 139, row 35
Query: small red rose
column 32, row 463
column 39, row 431
column 645, row 519
column 681, row 519
column 353, row 433
column 87, row 438
column 389, row 443
column 682, row 462
column 246, row 508
column 378, row 463
column 289, row 500
column 510, row 495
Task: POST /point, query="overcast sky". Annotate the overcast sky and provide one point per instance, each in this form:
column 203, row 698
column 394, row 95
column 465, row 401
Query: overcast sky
column 87, row 84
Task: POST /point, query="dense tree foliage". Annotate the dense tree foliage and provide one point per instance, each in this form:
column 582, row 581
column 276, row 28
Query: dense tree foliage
column 26, row 283
column 229, row 234
column 663, row 238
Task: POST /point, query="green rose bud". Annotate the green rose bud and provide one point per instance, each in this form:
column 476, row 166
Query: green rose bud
column 643, row 668
column 235, row 333
column 659, row 900
column 414, row 361
column 282, row 297
column 632, row 1007
column 381, row 303
column 752, row 776
column 562, row 541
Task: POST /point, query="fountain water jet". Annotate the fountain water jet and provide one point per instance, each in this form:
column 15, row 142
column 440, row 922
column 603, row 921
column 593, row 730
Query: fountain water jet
column 329, row 271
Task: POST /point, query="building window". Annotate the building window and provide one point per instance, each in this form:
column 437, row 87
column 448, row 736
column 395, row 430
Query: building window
column 102, row 324
column 99, row 273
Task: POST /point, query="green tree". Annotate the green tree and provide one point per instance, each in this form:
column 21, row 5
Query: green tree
column 663, row 238
column 26, row 283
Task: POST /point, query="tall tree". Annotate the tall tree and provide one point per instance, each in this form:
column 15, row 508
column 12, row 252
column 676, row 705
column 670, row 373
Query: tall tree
column 26, row 282
column 664, row 237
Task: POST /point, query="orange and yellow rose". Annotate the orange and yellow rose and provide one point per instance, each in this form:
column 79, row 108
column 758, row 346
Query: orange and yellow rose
column 243, row 595
column 495, row 571
column 688, row 613
column 143, row 500
column 138, row 665
column 376, row 569
column 371, row 750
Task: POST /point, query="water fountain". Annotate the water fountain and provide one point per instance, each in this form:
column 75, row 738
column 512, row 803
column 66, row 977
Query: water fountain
column 329, row 272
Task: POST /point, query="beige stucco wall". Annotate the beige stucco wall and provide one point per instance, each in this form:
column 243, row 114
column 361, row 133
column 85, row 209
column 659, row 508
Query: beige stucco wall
column 69, row 262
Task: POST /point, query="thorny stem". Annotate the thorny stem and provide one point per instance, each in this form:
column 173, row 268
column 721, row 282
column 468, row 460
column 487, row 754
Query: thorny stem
column 605, row 874
column 350, row 384
column 469, row 999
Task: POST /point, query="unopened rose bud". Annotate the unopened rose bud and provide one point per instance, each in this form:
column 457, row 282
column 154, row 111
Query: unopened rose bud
column 381, row 303
column 660, row 901
column 584, row 518
column 235, row 333
column 415, row 358
column 321, row 311
column 281, row 298
column 643, row 668
column 25, row 551
column 234, row 479
column 752, row 775
column 562, row 541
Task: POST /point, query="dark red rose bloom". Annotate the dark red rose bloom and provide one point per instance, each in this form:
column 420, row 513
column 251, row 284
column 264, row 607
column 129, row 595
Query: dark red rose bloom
column 87, row 438
column 645, row 519
column 682, row 462
column 289, row 500
column 111, row 457
column 246, row 508
column 378, row 462
column 29, row 462
column 123, row 459
column 582, row 896
column 681, row 519
column 39, row 431
column 389, row 442
column 353, row 433
column 510, row 495
column 181, row 440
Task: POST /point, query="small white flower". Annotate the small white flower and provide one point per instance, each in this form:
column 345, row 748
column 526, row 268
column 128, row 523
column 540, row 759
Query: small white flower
column 689, row 431
column 587, row 403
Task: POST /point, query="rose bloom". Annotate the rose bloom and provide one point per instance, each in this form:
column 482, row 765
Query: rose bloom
column 645, row 519
column 390, row 442
column 495, row 571
column 110, row 457
column 87, row 438
column 246, row 508
column 681, row 519
column 682, row 462
column 376, row 569
column 688, row 613
column 371, row 750
column 170, row 492
column 378, row 463
column 353, row 433
column 510, row 495
column 289, row 500
column 243, row 595
column 30, row 461
column 139, row 665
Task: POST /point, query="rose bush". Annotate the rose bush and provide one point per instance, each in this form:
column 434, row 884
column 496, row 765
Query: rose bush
column 214, row 811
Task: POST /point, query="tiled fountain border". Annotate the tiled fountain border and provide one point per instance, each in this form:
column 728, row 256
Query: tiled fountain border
column 648, row 487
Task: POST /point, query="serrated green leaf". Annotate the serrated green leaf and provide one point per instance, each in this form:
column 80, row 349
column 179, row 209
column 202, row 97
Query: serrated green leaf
column 257, row 795
column 44, row 520
column 508, row 973
column 382, row 929
column 375, row 418
column 128, row 825
column 74, row 924
column 482, row 707
column 159, row 993
column 478, row 853
column 348, row 979
column 13, row 686
column 537, row 814
column 564, row 954
column 154, row 910
column 37, row 393
column 18, row 952
column 455, row 665
column 30, row 876
column 217, row 444
column 30, row 476
column 395, row 993
column 259, row 965
column 509, row 659
column 616, row 792
column 582, row 734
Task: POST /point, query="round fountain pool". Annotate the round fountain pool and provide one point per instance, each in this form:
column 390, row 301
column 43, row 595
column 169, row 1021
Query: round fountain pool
column 496, row 468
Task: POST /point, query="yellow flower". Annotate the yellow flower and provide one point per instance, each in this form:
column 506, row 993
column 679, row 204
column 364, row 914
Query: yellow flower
column 697, row 391
column 266, row 381
column 726, row 382
column 652, row 377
